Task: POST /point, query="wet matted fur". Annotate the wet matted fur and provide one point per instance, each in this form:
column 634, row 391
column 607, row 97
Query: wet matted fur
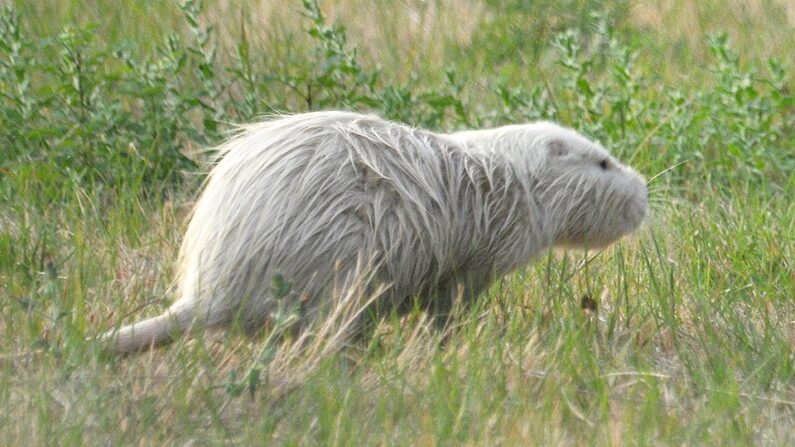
column 319, row 202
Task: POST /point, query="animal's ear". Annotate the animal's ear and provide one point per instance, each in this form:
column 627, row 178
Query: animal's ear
column 557, row 148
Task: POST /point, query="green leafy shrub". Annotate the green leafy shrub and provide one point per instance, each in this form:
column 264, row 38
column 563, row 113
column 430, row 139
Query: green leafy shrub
column 108, row 116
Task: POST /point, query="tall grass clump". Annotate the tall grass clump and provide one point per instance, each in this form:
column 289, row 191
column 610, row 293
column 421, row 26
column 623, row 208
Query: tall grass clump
column 682, row 334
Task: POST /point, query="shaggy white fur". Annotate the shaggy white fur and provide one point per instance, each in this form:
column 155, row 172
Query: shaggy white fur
column 319, row 201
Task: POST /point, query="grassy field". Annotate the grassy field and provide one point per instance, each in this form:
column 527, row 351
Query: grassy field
column 107, row 110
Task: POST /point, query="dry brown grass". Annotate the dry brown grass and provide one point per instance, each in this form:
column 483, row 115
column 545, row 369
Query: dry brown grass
column 763, row 28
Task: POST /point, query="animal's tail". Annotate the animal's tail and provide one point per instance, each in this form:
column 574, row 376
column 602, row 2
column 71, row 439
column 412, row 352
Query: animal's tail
column 154, row 331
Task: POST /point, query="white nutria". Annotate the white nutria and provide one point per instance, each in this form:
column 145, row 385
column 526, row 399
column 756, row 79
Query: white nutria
column 311, row 198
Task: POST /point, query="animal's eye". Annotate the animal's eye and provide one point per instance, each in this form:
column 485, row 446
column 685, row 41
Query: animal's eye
column 604, row 164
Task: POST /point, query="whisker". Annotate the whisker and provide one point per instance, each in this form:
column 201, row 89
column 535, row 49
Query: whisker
column 654, row 177
column 668, row 190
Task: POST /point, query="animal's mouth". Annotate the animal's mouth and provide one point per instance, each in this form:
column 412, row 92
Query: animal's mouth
column 635, row 211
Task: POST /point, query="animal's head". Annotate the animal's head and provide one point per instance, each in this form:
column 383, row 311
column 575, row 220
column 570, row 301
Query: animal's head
column 588, row 198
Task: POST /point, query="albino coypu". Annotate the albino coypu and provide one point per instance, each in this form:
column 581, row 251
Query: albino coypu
column 311, row 198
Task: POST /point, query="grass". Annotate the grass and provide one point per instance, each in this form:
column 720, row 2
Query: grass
column 105, row 112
